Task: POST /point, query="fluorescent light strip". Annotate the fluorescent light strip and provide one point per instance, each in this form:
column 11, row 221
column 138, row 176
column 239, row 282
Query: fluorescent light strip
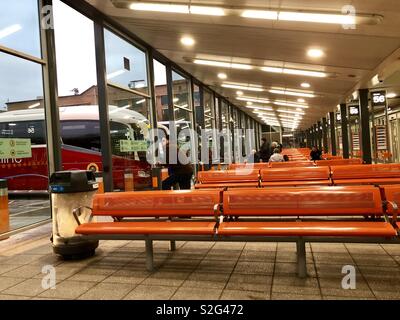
column 290, row 117
column 317, row 17
column 267, row 108
column 9, row 30
column 115, row 74
column 300, row 16
column 298, row 72
column 242, row 87
column 251, row 99
column 292, row 93
column 291, row 112
column 34, row 105
column 141, row 101
column 290, row 104
column 223, row 64
column 177, row 8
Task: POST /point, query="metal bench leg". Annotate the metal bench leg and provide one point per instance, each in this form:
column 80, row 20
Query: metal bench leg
column 172, row 245
column 149, row 255
column 301, row 258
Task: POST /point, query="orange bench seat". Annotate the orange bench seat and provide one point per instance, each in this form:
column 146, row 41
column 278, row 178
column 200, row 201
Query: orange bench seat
column 147, row 227
column 297, row 176
column 304, row 229
column 226, row 185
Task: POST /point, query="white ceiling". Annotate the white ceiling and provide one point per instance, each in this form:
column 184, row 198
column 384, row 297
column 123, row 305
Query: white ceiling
column 352, row 56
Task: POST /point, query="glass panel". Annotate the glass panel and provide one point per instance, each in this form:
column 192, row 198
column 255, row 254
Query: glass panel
column 209, row 115
column 160, row 83
column 126, row 64
column 77, row 89
column 19, row 26
column 129, row 117
column 22, row 116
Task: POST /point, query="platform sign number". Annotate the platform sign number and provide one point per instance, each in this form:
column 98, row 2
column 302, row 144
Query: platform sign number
column 379, row 98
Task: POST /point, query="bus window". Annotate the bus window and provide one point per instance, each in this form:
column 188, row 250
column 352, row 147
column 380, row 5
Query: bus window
column 84, row 134
column 33, row 130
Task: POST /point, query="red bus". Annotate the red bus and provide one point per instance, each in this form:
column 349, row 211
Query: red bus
column 80, row 142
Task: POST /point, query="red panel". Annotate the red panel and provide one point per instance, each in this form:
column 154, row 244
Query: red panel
column 348, row 200
column 228, row 176
column 295, row 174
column 147, row 227
column 157, row 203
column 288, row 229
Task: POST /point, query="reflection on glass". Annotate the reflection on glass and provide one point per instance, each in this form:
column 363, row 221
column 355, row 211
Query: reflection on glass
column 126, row 64
column 160, row 83
column 129, row 114
column 22, row 117
column 19, row 26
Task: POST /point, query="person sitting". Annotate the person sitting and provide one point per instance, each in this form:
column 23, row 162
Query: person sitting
column 315, row 154
column 277, row 157
column 286, row 158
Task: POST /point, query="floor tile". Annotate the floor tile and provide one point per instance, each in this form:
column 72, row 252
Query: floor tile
column 186, row 293
column 142, row 292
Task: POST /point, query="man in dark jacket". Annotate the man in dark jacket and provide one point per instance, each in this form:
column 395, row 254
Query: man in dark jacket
column 180, row 174
column 265, row 150
column 315, row 154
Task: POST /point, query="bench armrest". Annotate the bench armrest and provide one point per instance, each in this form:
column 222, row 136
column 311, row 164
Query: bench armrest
column 77, row 213
column 395, row 208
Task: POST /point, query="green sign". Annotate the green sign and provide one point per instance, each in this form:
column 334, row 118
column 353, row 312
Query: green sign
column 15, row 148
column 133, row 145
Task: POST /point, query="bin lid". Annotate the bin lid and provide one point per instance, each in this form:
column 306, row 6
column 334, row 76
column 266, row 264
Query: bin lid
column 73, row 181
column 3, row 183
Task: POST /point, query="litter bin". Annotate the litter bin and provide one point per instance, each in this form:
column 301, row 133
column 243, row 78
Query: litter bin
column 72, row 191
column 4, row 213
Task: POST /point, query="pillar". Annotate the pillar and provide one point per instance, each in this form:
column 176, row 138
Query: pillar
column 364, row 124
column 333, row 132
column 345, row 130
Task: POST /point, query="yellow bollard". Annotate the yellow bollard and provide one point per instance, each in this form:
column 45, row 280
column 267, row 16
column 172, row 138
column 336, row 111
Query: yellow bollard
column 4, row 212
column 128, row 180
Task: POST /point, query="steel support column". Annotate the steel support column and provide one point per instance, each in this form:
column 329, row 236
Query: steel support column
column 345, row 130
column 325, row 134
column 364, row 122
column 106, row 150
column 333, row 132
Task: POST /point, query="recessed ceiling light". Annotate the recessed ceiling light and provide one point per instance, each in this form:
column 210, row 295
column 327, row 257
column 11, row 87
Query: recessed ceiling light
column 391, row 95
column 305, row 85
column 187, row 41
column 249, row 103
column 239, row 93
column 301, row 100
column 315, row 53
column 222, row 75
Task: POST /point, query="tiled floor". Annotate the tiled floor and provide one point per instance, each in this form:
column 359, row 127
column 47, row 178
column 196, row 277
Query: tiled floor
column 197, row 270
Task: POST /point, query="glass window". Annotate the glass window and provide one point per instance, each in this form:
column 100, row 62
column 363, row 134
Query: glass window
column 209, row 114
column 129, row 116
column 19, row 26
column 182, row 105
column 160, row 83
column 126, row 64
column 22, row 117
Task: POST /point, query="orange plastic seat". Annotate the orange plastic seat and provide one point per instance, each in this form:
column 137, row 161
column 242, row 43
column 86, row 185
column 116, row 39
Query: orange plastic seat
column 248, row 166
column 226, row 178
column 295, row 176
column 226, row 185
column 292, row 164
column 296, row 229
column 156, row 203
column 338, row 162
column 310, row 201
column 366, row 174
column 147, row 227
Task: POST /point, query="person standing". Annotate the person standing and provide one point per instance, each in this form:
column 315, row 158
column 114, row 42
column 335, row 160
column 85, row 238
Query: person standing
column 265, row 150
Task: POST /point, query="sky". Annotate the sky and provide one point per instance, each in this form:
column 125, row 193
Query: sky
column 75, row 53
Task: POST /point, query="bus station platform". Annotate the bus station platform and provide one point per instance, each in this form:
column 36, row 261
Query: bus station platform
column 197, row 271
